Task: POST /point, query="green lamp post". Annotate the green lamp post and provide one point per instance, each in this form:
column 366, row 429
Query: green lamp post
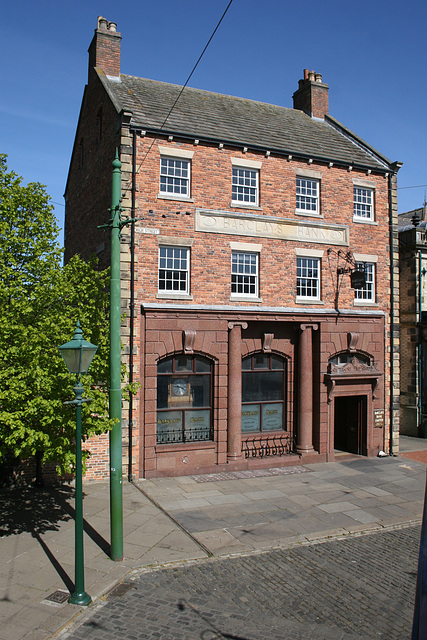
column 116, row 495
column 78, row 354
column 116, row 224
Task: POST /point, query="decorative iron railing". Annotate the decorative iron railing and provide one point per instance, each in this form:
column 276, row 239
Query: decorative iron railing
column 195, row 434
column 267, row 446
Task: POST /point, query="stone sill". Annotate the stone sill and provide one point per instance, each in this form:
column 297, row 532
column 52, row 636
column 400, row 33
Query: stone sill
column 184, row 446
column 365, row 221
column 244, row 299
column 308, row 301
column 241, row 205
column 174, row 296
column 174, row 196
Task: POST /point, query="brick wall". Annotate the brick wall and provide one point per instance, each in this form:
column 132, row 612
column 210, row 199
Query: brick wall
column 210, row 253
column 88, row 191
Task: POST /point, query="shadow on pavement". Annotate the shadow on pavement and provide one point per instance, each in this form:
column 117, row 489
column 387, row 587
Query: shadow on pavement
column 31, row 510
column 56, row 565
column 37, row 511
column 34, row 511
column 88, row 529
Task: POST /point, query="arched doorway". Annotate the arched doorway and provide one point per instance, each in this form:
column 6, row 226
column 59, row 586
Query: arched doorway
column 352, row 381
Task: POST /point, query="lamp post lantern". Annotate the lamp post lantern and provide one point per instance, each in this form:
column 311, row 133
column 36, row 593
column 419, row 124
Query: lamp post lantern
column 78, row 354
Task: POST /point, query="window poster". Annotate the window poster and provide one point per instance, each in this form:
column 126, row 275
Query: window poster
column 272, row 416
column 197, row 424
column 250, row 418
column 169, row 426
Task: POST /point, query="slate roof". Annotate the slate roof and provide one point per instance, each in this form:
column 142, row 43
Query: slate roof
column 405, row 219
column 211, row 116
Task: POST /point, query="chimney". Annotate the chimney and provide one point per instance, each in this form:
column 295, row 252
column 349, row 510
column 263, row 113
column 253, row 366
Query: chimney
column 104, row 50
column 312, row 95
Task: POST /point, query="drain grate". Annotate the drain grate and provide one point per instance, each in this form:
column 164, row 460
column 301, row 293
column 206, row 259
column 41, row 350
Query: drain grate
column 120, row 590
column 59, row 596
column 252, row 473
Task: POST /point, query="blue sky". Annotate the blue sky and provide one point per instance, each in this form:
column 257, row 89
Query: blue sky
column 370, row 53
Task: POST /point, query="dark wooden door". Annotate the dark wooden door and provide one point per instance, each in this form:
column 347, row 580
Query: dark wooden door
column 350, row 424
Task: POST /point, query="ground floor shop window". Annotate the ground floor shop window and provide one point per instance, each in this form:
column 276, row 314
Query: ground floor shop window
column 184, row 399
column 263, row 393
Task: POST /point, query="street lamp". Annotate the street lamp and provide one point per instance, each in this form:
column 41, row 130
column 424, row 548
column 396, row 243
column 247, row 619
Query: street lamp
column 78, row 354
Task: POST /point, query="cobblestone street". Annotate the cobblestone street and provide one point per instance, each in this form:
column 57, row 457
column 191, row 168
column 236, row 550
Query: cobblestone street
column 357, row 587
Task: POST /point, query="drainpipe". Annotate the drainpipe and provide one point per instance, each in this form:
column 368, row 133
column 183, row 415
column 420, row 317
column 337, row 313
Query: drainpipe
column 419, row 347
column 132, row 303
column 390, row 197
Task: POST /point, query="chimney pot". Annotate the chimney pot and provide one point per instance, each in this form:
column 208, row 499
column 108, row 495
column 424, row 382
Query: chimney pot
column 311, row 76
column 305, row 75
column 112, row 26
column 318, row 77
column 102, row 23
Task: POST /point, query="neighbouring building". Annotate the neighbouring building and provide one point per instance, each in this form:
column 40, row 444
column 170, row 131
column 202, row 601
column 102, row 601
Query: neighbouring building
column 250, row 345
column 413, row 321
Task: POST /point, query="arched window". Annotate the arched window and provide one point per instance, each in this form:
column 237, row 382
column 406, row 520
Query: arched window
column 340, row 360
column 263, row 393
column 184, row 399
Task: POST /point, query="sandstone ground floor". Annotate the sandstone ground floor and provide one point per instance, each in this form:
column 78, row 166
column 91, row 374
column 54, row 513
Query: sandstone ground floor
column 233, row 389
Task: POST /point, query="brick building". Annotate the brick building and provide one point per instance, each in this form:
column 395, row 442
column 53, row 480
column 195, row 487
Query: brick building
column 413, row 321
column 251, row 346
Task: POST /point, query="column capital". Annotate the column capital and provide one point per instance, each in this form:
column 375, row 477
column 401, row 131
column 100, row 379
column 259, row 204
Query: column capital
column 237, row 323
column 309, row 325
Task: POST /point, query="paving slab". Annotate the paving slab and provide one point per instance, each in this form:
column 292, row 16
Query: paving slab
column 229, row 498
column 361, row 516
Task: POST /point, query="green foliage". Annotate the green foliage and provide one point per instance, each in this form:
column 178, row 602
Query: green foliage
column 40, row 303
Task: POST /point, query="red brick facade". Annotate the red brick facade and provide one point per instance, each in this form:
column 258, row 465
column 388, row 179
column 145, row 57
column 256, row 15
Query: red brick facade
column 338, row 375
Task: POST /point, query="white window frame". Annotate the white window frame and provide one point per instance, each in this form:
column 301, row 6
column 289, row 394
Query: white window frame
column 244, row 274
column 307, row 199
column 363, row 203
column 306, row 264
column 174, row 261
column 245, row 185
column 367, row 293
column 175, row 172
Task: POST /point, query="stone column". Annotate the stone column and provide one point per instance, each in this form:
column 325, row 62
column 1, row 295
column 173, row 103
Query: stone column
column 234, row 426
column 305, row 389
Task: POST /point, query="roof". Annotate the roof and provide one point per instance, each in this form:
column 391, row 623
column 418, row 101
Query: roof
column 211, row 116
column 405, row 219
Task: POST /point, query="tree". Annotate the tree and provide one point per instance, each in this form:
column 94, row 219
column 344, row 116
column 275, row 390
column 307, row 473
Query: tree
column 40, row 303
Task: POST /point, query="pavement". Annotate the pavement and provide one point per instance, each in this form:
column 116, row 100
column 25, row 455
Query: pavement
column 190, row 521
